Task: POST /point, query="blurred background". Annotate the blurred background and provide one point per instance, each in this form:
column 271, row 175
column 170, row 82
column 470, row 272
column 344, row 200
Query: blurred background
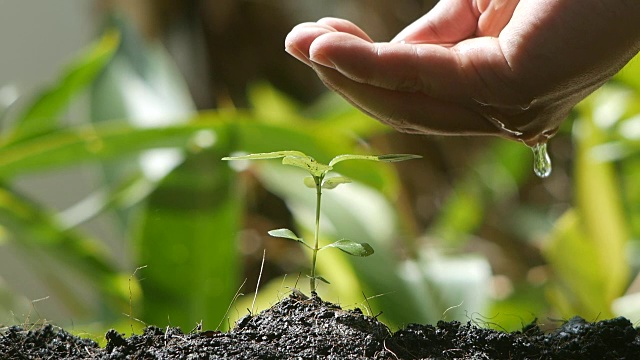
column 116, row 210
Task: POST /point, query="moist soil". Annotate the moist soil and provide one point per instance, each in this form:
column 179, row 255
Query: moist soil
column 298, row 327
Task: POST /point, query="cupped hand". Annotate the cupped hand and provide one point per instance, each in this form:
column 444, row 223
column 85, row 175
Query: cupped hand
column 476, row 67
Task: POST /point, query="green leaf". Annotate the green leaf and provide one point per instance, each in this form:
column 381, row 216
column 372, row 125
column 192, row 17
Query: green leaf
column 285, row 234
column 40, row 117
column 598, row 195
column 264, row 156
column 344, row 157
column 188, row 242
column 101, row 141
column 333, row 182
column 308, row 163
column 352, row 247
column 398, row 157
column 253, row 136
column 42, row 238
column 630, row 73
column 580, row 281
column 385, row 158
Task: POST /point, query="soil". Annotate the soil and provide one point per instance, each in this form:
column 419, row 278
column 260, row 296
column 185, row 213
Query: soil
column 298, row 327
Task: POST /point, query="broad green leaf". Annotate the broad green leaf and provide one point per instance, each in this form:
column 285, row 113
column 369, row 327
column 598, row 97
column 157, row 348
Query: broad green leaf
column 188, row 242
column 122, row 195
column 102, row 141
column 35, row 231
column 630, row 73
column 333, row 182
column 269, row 155
column 578, row 287
column 272, row 106
column 308, row 163
column 460, row 215
column 352, row 247
column 41, row 116
column 596, row 231
column 598, row 197
column 143, row 87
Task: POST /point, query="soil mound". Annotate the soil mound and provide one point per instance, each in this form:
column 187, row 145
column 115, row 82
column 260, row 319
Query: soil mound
column 309, row 328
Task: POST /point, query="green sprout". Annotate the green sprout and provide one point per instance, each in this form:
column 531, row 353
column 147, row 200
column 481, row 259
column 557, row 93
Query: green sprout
column 319, row 181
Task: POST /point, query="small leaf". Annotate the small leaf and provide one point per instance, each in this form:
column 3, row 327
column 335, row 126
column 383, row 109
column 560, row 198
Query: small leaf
column 352, row 247
column 310, row 182
column 385, row 158
column 308, row 163
column 285, row 234
column 339, row 158
column 333, row 182
column 398, row 157
column 269, row 155
column 288, row 234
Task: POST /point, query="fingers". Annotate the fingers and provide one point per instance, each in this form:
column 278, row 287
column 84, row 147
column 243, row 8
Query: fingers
column 495, row 15
column 300, row 38
column 341, row 25
column 449, row 22
column 430, row 69
column 298, row 41
column 452, row 21
column 409, row 112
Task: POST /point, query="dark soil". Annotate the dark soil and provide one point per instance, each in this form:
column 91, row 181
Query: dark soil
column 302, row 328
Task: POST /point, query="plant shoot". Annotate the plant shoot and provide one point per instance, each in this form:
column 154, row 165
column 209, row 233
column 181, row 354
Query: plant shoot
column 318, row 181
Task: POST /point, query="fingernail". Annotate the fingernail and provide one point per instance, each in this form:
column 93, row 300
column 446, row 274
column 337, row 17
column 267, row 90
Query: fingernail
column 322, row 60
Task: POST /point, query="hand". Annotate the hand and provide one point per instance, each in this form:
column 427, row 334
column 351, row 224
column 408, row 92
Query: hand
column 483, row 67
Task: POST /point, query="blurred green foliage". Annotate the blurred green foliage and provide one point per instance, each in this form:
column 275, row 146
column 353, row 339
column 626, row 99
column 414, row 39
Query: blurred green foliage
column 180, row 210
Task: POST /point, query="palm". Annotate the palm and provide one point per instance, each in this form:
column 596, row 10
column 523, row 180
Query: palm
column 494, row 67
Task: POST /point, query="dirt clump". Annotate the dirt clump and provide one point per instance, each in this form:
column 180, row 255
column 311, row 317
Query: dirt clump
column 298, row 327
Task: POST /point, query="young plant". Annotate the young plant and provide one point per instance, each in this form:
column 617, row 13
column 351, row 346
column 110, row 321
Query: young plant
column 319, row 181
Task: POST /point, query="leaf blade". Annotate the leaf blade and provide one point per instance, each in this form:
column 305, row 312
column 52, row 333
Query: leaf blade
column 307, row 163
column 289, row 235
column 284, row 233
column 333, row 182
column 266, row 156
column 352, row 248
column 40, row 117
column 383, row 158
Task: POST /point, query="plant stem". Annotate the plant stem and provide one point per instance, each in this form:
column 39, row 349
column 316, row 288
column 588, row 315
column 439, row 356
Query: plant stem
column 318, row 181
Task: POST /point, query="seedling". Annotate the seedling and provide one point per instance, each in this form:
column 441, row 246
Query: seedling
column 319, row 181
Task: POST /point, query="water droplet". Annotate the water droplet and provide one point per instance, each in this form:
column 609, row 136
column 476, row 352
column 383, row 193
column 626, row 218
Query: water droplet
column 541, row 160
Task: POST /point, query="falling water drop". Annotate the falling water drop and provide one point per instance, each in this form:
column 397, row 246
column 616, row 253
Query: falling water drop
column 541, row 160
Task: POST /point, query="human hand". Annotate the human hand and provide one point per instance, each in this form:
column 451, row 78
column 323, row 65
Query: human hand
column 484, row 67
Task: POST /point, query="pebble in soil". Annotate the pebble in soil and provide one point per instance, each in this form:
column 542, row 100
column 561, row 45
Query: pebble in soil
column 301, row 328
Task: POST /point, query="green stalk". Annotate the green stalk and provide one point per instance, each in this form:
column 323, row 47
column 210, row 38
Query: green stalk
column 318, row 181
